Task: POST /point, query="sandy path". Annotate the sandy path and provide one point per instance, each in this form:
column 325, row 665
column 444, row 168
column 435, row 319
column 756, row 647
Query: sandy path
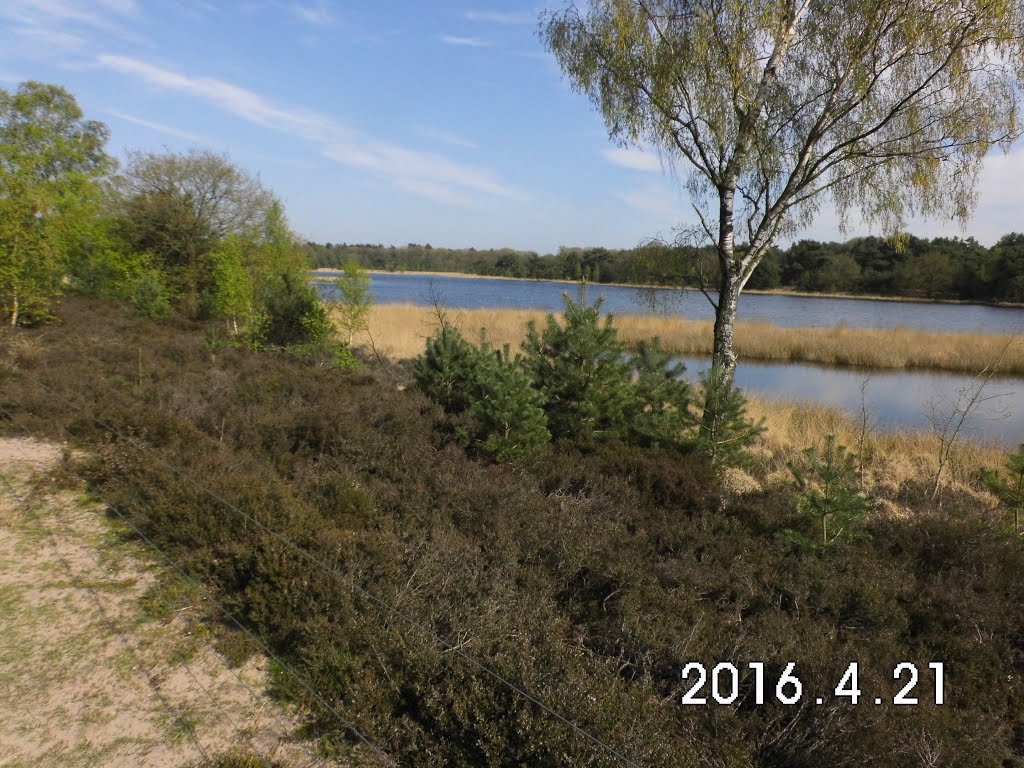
column 89, row 676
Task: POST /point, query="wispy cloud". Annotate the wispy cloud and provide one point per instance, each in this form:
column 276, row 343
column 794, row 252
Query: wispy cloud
column 58, row 15
column 471, row 42
column 447, row 138
column 654, row 198
column 319, row 14
column 425, row 173
column 497, row 17
column 634, row 159
column 153, row 126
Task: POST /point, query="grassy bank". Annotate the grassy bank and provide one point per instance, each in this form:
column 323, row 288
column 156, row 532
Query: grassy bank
column 400, row 330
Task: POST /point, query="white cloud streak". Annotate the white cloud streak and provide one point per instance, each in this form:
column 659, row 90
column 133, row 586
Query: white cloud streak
column 469, row 42
column 154, row 126
column 633, row 159
column 496, row 17
column 424, row 173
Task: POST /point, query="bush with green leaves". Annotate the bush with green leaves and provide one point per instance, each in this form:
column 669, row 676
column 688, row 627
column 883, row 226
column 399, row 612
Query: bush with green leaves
column 295, row 314
column 1010, row 489
column 354, row 300
column 724, row 430
column 150, row 295
column 580, row 368
column 829, row 494
column 506, row 415
column 449, row 369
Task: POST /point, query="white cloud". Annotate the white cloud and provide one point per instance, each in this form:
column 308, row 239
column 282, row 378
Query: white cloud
column 319, row 13
column 656, row 199
column 634, row 159
column 447, row 138
column 495, row 17
column 158, row 127
column 425, row 173
column 471, row 42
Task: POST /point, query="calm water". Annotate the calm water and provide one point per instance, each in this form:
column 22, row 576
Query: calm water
column 894, row 398
column 787, row 311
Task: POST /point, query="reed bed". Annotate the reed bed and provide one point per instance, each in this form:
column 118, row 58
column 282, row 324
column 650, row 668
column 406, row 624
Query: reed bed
column 402, row 328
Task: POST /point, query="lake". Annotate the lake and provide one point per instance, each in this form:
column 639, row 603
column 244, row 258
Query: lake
column 786, row 311
column 895, row 398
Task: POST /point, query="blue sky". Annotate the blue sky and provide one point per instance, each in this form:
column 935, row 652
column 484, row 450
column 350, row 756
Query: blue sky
column 383, row 121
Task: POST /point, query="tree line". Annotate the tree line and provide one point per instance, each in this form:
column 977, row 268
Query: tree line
column 908, row 266
column 189, row 234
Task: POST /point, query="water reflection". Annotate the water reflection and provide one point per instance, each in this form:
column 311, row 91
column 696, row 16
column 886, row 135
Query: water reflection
column 894, row 398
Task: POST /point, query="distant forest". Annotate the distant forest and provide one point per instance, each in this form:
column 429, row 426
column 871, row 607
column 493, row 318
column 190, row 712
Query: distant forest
column 940, row 268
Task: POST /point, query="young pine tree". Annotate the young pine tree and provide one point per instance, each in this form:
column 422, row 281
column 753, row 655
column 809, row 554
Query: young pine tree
column 659, row 410
column 724, row 430
column 507, row 420
column 829, row 493
column 579, row 368
column 448, row 371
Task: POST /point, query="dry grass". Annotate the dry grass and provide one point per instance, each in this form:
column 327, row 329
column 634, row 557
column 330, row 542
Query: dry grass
column 399, row 331
column 897, row 462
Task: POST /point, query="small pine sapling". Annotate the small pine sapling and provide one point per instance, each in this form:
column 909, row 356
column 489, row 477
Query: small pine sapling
column 1010, row 490
column 659, row 413
column 725, row 430
column 507, row 420
column 828, row 491
column 448, row 371
column 579, row 368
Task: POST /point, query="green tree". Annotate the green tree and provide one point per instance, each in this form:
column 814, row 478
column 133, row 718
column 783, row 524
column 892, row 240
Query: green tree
column 507, row 420
column 181, row 207
column 658, row 412
column 354, row 300
column 580, row 369
column 50, row 161
column 448, row 369
column 231, row 292
column 770, row 107
column 724, row 430
column 829, row 493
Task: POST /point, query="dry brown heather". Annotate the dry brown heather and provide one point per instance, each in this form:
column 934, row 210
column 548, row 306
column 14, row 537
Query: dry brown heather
column 399, row 330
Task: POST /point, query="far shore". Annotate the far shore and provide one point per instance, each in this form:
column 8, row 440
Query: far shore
column 400, row 330
column 752, row 291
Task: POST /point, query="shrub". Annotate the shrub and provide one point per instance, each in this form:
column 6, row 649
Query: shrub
column 354, row 300
column 828, row 488
column 659, row 412
column 1009, row 490
column 294, row 313
column 449, row 369
column 150, row 295
column 580, row 369
column 506, row 415
column 724, row 429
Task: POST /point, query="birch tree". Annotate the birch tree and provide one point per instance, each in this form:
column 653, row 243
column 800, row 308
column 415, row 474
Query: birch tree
column 50, row 159
column 766, row 109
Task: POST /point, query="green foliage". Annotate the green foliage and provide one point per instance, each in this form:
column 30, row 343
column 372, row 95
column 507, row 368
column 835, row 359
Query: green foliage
column 354, row 300
column 149, row 295
column 448, row 370
column 232, row 292
column 724, row 430
column 50, row 159
column 295, row 314
column 1010, row 490
column 828, row 488
column 579, row 366
column 659, row 410
column 507, row 420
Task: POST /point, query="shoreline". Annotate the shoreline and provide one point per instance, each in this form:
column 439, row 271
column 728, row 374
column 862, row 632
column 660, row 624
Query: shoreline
column 751, row 291
column 404, row 328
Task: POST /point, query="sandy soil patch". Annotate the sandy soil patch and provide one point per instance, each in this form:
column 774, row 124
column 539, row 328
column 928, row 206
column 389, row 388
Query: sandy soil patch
column 89, row 676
